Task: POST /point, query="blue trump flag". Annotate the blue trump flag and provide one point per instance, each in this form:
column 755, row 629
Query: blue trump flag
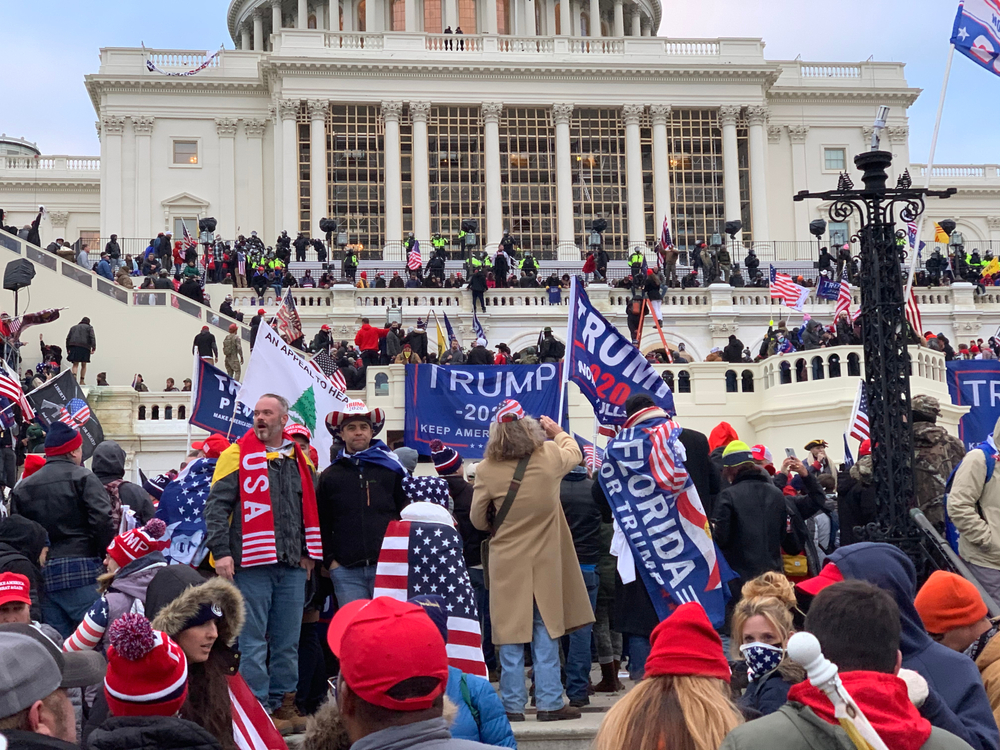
column 658, row 510
column 975, row 383
column 456, row 404
column 604, row 364
column 828, row 288
column 214, row 402
column 976, row 33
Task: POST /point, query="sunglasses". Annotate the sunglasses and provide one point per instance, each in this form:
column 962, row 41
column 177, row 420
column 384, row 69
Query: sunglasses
column 332, row 682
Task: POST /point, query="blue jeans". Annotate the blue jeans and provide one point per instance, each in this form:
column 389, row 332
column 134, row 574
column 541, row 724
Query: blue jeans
column 274, row 596
column 350, row 584
column 64, row 609
column 638, row 652
column 478, row 580
column 545, row 659
column 578, row 659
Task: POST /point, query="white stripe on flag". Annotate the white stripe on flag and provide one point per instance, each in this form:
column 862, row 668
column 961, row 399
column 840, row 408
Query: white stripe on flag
column 399, row 594
column 395, row 542
column 465, row 624
column 392, row 569
column 470, row 653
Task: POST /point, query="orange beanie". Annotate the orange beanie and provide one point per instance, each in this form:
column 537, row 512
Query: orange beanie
column 948, row 601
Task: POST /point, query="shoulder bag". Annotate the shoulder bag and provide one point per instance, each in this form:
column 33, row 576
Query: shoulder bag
column 515, row 485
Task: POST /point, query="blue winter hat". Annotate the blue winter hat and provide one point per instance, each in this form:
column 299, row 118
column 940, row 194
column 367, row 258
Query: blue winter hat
column 61, row 439
column 434, row 605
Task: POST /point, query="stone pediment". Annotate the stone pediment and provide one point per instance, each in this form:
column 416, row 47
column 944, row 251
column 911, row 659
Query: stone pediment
column 186, row 201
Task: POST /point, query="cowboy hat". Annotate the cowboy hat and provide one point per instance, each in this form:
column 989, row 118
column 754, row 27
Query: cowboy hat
column 355, row 409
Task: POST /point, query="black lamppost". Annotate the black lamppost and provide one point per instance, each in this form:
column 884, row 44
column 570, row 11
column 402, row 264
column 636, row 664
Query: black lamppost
column 885, row 333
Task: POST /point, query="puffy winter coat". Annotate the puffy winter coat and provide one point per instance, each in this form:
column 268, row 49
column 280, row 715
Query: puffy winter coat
column 151, row 733
column 492, row 727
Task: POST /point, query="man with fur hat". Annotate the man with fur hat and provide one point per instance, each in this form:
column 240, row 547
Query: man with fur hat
column 358, row 495
column 71, row 504
column 936, row 454
column 263, row 529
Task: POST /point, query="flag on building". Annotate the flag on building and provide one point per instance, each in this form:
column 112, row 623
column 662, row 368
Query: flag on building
column 413, row 260
column 10, row 389
column 328, row 367
column 592, row 455
column 61, row 399
column 478, row 327
column 913, row 313
column 859, row 428
column 976, row 33
column 844, row 297
column 288, row 323
column 791, row 294
column 666, row 241
column 424, row 557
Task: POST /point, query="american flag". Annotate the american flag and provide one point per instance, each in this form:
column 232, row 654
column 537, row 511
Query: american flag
column 89, row 633
column 419, row 557
column 76, row 413
column 665, row 239
column 289, row 324
column 11, row 389
column 593, row 456
column 241, row 263
column 670, row 475
column 188, row 241
column 913, row 313
column 428, row 489
column 782, row 287
column 328, row 367
column 413, row 260
column 844, row 298
column 859, row 429
column 182, row 507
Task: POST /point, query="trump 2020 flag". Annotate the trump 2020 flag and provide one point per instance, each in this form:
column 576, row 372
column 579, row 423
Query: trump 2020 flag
column 976, row 33
column 425, row 557
column 656, row 506
column 604, row 364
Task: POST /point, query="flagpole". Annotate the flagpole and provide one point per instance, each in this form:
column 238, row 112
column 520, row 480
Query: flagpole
column 927, row 177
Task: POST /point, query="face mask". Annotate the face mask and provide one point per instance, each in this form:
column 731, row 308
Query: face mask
column 761, row 658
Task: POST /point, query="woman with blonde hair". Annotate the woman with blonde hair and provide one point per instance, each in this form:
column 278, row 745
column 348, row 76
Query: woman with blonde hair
column 683, row 701
column 761, row 627
column 532, row 570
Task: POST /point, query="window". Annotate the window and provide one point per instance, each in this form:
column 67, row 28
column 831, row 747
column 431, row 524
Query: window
column 398, row 18
column 185, row 152
column 834, row 159
column 432, row 16
column 191, row 222
column 839, row 233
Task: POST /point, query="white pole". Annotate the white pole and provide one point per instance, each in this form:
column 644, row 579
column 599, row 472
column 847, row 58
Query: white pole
column 927, row 177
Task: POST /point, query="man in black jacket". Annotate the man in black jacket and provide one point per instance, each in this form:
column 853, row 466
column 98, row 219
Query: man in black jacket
column 733, row 351
column 358, row 495
column 206, row 348
column 479, row 355
column 70, row 503
column 22, row 544
column 255, row 322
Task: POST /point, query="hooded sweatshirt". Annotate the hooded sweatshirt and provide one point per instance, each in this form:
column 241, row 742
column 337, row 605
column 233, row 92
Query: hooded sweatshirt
column 109, row 466
column 432, row 734
column 957, row 701
column 21, row 543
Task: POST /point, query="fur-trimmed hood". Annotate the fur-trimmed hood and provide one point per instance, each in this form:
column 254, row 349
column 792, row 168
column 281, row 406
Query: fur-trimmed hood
column 176, row 594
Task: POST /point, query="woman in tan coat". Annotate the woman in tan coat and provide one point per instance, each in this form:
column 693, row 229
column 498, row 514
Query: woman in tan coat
column 537, row 593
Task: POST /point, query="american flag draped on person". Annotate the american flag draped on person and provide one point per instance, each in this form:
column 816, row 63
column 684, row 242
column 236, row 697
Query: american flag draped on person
column 422, row 554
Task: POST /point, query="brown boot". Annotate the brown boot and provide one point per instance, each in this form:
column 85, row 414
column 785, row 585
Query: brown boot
column 566, row 712
column 286, row 718
column 609, row 679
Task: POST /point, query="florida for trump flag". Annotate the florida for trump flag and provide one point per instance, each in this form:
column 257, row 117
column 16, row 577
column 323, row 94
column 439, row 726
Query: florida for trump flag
column 657, row 507
column 976, row 33
column 425, row 557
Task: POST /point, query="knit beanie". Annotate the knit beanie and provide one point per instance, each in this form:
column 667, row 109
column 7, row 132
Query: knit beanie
column 446, row 458
column 948, row 601
column 136, row 543
column 61, row 439
column 147, row 671
column 687, row 644
column 736, row 453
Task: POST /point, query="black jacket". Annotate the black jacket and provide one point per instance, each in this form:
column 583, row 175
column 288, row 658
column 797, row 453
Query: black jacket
column 750, row 521
column 856, row 502
column 151, row 733
column 478, row 282
column 21, row 740
column 461, row 494
column 551, row 349
column 479, row 355
column 651, row 286
column 356, row 504
column 71, row 504
column 583, row 516
column 21, row 542
column 205, row 346
column 82, row 334
column 733, row 351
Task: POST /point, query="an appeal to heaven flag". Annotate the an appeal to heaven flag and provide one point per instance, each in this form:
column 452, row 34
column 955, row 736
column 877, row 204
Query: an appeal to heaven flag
column 275, row 367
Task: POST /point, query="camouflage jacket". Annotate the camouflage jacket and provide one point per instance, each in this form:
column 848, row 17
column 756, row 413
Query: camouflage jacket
column 936, row 455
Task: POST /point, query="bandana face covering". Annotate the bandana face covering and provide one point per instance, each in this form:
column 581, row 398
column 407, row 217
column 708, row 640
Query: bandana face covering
column 761, row 658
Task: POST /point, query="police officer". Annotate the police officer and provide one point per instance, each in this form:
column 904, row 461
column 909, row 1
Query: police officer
column 350, row 265
column 635, row 261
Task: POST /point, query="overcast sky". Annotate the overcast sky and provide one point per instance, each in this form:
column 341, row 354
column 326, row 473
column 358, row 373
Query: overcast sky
column 49, row 46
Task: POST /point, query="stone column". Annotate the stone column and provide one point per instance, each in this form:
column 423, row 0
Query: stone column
column 302, row 15
column 494, row 197
column 245, row 43
column 565, row 234
column 631, row 114
column 530, row 27
column 111, row 153
column 800, row 178
column 288, row 110
column 372, row 22
column 595, row 18
column 391, row 112
column 451, row 14
column 636, row 22
column 258, row 31
column 421, row 174
column 250, row 179
column 730, row 163
column 275, row 16
column 276, row 199
column 333, row 15
column 646, row 26
column 348, row 9
column 758, row 173
column 410, row 15
column 660, row 116
column 143, row 129
column 565, row 18
column 225, row 128
column 490, row 27
column 320, row 22
column 619, row 19
column 317, row 166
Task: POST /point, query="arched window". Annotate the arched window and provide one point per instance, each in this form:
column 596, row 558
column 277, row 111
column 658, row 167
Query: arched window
column 381, row 384
column 558, row 20
column 668, row 378
column 538, row 16
column 801, row 373
column 361, row 24
column 503, row 17
column 817, row 368
column 142, row 412
column 311, row 22
column 156, row 412
column 181, row 412
column 341, row 18
column 786, row 373
column 747, row 384
column 605, row 29
column 731, row 386
column 168, row 412
column 584, row 24
column 398, row 17
column 834, row 363
column 853, row 366
column 432, row 16
column 683, row 382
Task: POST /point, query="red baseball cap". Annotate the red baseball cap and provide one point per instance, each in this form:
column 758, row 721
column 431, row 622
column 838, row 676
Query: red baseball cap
column 829, row 575
column 383, row 642
column 14, row 587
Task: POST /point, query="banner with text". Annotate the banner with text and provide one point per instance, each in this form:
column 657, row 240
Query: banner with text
column 456, row 404
column 215, row 407
column 605, row 365
column 975, row 383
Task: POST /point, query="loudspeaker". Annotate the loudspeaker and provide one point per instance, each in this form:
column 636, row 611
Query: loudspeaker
column 18, row 274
